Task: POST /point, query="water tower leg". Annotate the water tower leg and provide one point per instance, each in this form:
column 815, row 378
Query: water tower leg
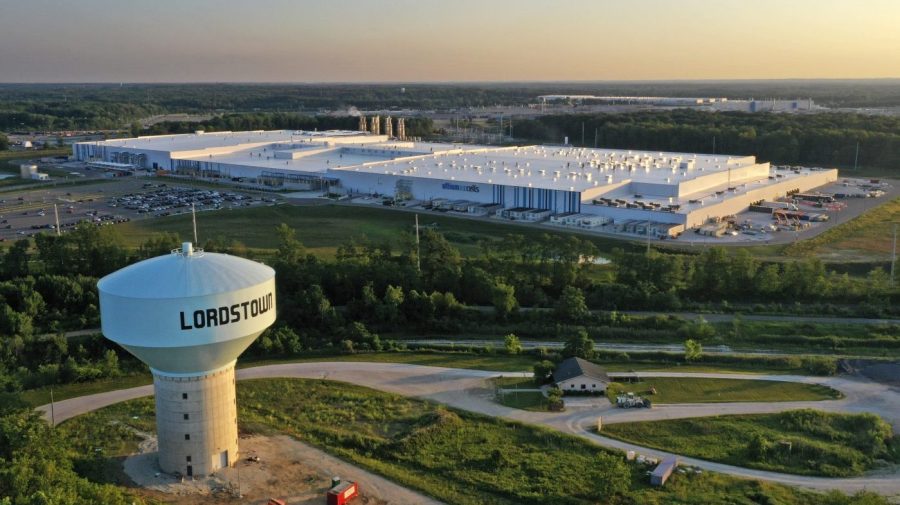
column 196, row 421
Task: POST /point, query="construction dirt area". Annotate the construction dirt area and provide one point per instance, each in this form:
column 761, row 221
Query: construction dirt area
column 270, row 467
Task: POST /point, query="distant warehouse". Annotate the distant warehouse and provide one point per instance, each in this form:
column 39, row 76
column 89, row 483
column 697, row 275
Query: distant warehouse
column 627, row 188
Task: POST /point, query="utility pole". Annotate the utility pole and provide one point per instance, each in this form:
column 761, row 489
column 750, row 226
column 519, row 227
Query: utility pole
column 856, row 157
column 596, row 133
column 418, row 251
column 194, row 219
column 56, row 212
column 714, row 144
column 582, row 134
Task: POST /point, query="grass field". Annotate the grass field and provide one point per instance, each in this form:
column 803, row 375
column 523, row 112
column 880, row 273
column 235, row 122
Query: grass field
column 322, row 228
column 802, row 442
column 41, row 396
column 514, row 382
column 455, row 456
column 492, row 362
column 524, row 400
column 690, row 390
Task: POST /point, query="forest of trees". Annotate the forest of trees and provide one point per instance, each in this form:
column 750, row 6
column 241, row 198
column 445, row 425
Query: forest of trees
column 33, row 107
column 49, row 285
column 415, row 126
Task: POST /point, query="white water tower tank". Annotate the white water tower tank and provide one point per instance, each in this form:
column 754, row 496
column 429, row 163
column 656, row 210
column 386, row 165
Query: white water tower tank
column 188, row 315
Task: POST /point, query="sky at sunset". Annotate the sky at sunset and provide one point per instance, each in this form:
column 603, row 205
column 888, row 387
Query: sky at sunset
column 458, row 40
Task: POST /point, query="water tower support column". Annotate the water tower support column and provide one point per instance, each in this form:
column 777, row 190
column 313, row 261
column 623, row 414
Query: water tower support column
column 196, row 421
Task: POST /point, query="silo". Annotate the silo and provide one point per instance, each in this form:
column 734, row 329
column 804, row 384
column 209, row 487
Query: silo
column 188, row 315
column 28, row 171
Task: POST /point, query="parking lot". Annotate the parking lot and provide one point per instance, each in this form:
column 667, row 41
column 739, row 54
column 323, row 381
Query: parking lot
column 852, row 201
column 107, row 202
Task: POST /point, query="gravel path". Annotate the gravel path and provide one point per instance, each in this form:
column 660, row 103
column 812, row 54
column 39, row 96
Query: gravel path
column 468, row 390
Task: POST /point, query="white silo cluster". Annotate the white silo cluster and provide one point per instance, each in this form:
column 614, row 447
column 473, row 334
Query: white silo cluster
column 188, row 315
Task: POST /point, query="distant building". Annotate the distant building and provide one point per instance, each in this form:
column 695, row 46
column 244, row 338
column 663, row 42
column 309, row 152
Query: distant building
column 576, row 374
column 666, row 193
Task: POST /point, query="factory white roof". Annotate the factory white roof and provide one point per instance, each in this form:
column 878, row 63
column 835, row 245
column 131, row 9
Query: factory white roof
column 564, row 168
column 197, row 141
column 547, row 167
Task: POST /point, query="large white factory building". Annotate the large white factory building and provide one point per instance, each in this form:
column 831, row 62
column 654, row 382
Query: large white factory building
column 677, row 188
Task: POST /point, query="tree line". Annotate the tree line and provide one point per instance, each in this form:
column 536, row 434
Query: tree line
column 415, row 126
column 827, row 139
column 429, row 288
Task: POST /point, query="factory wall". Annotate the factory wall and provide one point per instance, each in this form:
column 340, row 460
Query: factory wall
column 428, row 189
column 618, row 214
column 707, row 182
column 89, row 151
column 654, row 188
column 223, row 150
column 741, row 202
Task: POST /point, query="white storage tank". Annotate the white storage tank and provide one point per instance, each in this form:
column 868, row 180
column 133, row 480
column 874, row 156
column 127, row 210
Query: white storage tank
column 28, row 171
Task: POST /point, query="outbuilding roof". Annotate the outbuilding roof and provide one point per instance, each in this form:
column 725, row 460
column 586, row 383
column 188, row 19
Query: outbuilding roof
column 576, row 367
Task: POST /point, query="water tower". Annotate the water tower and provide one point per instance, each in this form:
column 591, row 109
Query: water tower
column 188, row 315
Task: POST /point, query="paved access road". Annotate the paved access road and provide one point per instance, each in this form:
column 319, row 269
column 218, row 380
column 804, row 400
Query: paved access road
column 787, row 318
column 468, row 390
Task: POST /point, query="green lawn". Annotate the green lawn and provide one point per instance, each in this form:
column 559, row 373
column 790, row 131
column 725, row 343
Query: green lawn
column 803, row 442
column 491, row 362
column 513, row 398
column 867, row 236
column 41, row 396
column 525, row 400
column 322, row 228
column 691, row 390
column 514, row 382
column 457, row 457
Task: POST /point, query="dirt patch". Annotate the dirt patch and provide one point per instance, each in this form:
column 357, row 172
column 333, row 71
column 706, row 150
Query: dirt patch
column 287, row 469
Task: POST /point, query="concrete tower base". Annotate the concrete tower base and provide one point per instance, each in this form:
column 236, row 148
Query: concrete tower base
column 196, row 421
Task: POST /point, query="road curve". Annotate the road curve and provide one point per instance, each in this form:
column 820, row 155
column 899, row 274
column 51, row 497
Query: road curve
column 467, row 390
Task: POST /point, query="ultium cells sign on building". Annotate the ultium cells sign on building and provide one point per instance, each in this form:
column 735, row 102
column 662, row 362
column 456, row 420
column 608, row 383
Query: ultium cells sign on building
column 459, row 187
